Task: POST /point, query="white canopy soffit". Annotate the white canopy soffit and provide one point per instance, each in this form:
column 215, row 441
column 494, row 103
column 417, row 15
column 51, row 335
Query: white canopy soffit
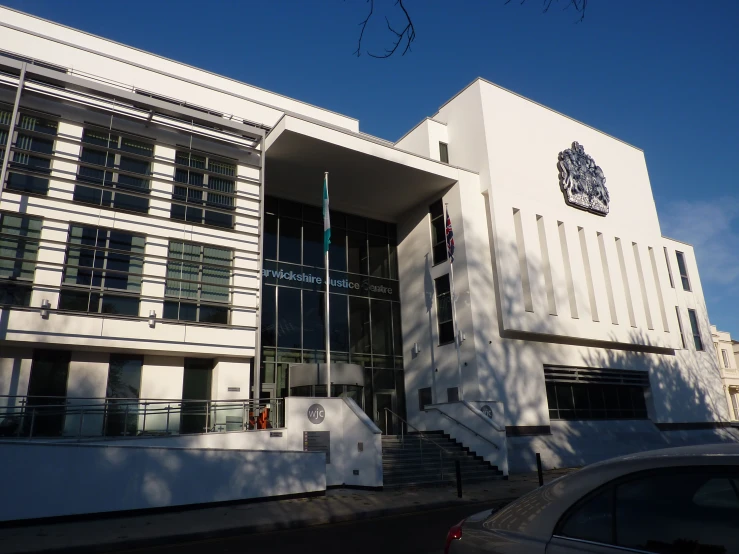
column 366, row 176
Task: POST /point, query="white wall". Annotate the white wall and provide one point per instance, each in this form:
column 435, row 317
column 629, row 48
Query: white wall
column 126, row 67
column 514, row 144
column 347, row 424
column 85, row 479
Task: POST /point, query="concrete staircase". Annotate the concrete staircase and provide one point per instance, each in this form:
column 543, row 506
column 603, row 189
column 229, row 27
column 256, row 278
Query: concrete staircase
column 411, row 461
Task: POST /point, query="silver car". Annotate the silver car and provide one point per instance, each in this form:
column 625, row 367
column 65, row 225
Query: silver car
column 673, row 501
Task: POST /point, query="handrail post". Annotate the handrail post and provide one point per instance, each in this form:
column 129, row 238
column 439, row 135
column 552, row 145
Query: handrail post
column 166, row 429
column 386, row 421
column 143, row 423
column 23, row 416
column 33, row 420
column 125, row 419
column 82, row 419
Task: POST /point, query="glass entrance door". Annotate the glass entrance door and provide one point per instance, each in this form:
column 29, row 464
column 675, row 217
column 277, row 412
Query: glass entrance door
column 47, row 391
column 385, row 420
column 196, row 386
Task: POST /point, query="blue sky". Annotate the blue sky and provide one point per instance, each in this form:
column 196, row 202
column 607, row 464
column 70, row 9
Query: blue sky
column 659, row 74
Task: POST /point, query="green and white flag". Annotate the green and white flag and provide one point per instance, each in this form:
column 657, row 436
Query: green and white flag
column 326, row 218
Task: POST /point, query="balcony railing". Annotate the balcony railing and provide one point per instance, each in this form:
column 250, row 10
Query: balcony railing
column 104, row 418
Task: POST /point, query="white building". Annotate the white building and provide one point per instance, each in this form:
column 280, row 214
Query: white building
column 172, row 250
column 726, row 350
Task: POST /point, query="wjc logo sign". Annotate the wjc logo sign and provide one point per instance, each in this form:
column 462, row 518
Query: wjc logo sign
column 316, row 414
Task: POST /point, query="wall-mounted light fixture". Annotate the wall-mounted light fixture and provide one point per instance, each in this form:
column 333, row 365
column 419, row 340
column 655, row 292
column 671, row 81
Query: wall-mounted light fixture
column 416, row 349
column 45, row 305
column 462, row 337
column 152, row 318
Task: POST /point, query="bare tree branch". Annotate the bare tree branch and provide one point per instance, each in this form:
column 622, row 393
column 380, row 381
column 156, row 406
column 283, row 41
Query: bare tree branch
column 363, row 24
column 408, row 34
column 578, row 5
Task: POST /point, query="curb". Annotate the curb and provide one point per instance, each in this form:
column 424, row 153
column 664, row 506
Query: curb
column 262, row 528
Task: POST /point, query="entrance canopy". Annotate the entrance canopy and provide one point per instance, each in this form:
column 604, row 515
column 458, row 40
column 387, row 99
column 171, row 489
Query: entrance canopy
column 367, row 176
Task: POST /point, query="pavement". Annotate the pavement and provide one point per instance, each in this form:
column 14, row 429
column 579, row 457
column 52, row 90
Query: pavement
column 91, row 534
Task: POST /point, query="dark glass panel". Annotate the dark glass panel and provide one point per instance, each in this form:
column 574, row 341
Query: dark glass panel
column 74, row 300
column 378, row 257
column 375, row 227
column 397, row 331
column 313, row 321
column 188, row 312
column 124, row 376
column 339, row 323
column 290, row 239
column 356, row 223
column 446, row 332
column 382, row 337
column 313, row 213
column 593, row 521
column 213, row 314
column 359, row 325
column 290, row 209
column 337, row 250
column 28, row 184
column 357, row 253
column 289, row 318
column 269, row 316
column 170, row 310
column 313, row 245
column 269, row 245
column 15, row 295
column 122, row 305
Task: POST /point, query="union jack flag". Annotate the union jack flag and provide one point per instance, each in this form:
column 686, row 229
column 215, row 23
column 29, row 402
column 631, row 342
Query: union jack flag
column 449, row 239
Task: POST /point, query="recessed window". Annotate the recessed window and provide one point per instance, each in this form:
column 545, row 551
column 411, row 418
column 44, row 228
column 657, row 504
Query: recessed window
column 669, row 269
column 680, row 326
column 438, row 232
column 696, row 330
column 205, row 191
column 683, row 270
column 575, row 401
column 444, row 152
column 444, row 310
column 19, row 244
column 725, row 357
column 102, row 272
column 198, row 284
column 32, row 153
column 424, row 398
column 119, row 166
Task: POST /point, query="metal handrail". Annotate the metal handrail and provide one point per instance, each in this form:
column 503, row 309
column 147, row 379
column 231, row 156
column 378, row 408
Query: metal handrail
column 463, row 425
column 128, row 416
column 421, row 434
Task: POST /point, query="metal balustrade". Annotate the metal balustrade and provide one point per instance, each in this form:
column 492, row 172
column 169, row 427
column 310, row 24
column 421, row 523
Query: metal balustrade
column 29, row 417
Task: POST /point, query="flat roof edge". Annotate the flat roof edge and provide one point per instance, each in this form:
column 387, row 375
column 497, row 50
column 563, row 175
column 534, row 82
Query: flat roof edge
column 369, row 138
column 477, row 79
column 417, row 125
column 162, row 58
column 678, row 240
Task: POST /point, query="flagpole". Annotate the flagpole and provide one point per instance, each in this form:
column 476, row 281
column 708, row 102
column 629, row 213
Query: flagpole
column 454, row 303
column 328, row 286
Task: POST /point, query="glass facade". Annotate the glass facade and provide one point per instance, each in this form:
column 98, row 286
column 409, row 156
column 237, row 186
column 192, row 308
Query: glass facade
column 364, row 303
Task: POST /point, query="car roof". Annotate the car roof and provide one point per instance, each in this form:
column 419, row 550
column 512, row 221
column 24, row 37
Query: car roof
column 537, row 513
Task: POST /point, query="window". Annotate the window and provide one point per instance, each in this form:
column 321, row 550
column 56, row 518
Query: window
column 444, row 152
column 680, row 326
column 438, row 232
column 19, row 243
column 683, row 270
column 444, row 310
column 424, row 398
column 680, row 511
column 115, row 164
column 102, row 271
column 669, row 269
column 124, row 386
column 204, row 183
column 696, row 330
column 725, row 356
column 32, row 153
column 576, row 401
column 198, row 283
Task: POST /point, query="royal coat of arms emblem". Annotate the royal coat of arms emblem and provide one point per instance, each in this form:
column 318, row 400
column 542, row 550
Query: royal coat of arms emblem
column 582, row 182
